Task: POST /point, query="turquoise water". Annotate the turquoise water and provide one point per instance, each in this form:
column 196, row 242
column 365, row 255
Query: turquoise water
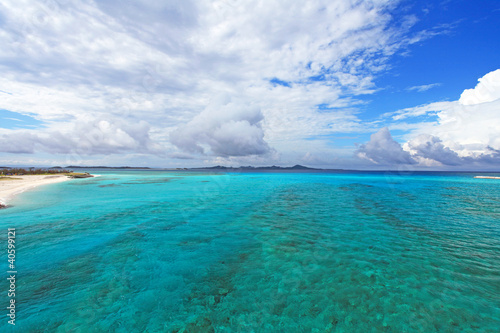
column 150, row 251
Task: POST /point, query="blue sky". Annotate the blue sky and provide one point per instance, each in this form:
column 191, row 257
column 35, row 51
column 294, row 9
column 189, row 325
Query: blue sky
column 15, row 120
column 464, row 49
column 335, row 84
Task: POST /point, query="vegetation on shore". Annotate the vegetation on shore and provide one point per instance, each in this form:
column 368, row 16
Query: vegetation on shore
column 2, row 178
column 79, row 175
column 7, row 173
column 33, row 171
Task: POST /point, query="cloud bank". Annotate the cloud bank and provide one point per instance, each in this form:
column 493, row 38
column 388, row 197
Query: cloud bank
column 156, row 67
column 109, row 80
column 225, row 128
column 466, row 132
column 382, row 149
column 487, row 90
column 84, row 138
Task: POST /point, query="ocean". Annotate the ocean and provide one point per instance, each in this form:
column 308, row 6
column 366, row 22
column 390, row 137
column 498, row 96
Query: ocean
column 164, row 251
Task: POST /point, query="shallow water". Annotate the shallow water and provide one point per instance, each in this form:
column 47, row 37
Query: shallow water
column 150, row 251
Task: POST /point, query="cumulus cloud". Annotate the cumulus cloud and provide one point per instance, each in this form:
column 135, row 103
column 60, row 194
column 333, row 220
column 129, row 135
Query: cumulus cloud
column 143, row 73
column 427, row 148
column 382, row 149
column 20, row 143
column 224, row 128
column 83, row 138
column 489, row 156
column 465, row 133
column 487, row 90
column 161, row 63
column 106, row 137
column 424, row 150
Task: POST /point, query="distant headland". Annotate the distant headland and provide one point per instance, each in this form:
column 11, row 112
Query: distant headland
column 265, row 168
column 102, row 167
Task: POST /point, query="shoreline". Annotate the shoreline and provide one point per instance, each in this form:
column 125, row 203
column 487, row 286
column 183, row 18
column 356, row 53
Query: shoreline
column 486, row 177
column 12, row 187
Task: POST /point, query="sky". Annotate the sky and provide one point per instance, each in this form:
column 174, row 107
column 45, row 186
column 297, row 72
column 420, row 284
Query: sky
column 350, row 84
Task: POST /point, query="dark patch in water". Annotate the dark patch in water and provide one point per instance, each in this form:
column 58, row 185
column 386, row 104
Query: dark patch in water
column 87, row 181
column 345, row 188
column 360, row 185
column 354, row 186
column 195, row 241
column 407, row 195
column 109, row 185
column 152, row 181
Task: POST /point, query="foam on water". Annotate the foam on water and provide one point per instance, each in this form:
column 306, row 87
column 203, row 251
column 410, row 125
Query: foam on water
column 163, row 251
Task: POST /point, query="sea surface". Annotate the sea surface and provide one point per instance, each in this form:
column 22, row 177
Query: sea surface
column 158, row 251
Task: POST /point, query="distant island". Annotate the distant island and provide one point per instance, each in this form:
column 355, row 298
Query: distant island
column 214, row 168
column 219, row 168
column 266, row 168
column 102, row 167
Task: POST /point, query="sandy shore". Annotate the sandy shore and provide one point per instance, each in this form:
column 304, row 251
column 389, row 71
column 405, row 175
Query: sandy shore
column 487, row 177
column 11, row 187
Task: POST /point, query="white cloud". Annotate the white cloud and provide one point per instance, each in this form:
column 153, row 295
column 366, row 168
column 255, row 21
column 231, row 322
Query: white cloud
column 466, row 132
column 467, row 129
column 430, row 148
column 424, row 87
column 225, row 128
column 156, row 66
column 83, row 138
column 382, row 149
column 487, row 90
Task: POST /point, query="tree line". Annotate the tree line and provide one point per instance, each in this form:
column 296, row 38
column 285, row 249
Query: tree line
column 32, row 171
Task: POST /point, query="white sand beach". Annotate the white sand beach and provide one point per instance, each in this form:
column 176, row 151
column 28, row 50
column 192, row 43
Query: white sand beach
column 486, row 177
column 11, row 187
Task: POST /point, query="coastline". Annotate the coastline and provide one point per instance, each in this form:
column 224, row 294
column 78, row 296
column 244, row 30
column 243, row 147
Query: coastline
column 10, row 188
column 486, row 177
